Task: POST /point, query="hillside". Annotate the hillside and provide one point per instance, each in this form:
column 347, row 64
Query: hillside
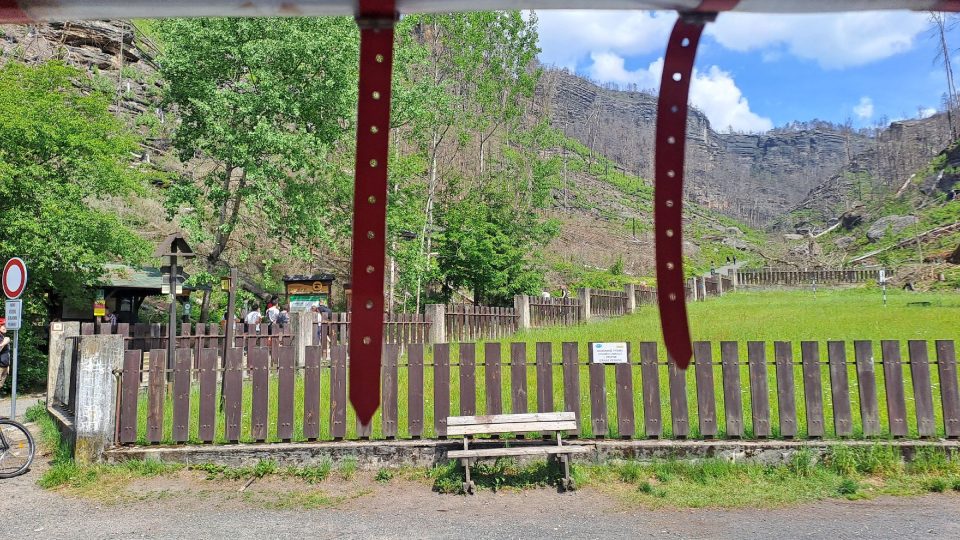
column 751, row 177
column 604, row 212
column 914, row 230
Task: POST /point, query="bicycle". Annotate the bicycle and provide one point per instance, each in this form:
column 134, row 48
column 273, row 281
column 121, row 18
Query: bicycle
column 16, row 448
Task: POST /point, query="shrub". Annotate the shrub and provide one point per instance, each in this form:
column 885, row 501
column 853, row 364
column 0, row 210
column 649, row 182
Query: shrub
column 937, row 485
column 630, row 472
column 384, row 475
column 848, row 487
column 801, row 463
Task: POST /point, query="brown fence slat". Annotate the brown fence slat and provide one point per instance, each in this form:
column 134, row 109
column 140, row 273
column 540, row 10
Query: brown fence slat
column 518, row 378
column 598, row 396
column 679, row 414
column 156, row 394
column 207, row 429
column 949, row 392
column 867, row 388
column 812, row 387
column 759, row 391
column 492, row 378
column 286, row 374
column 441, row 387
column 706, row 400
column 129, row 396
column 626, row 421
column 650, row 373
column 840, row 389
column 415, row 390
column 893, row 383
column 181, row 396
column 468, row 379
column 389, row 401
column 786, row 396
column 311, row 391
column 732, row 400
column 922, row 393
column 233, row 394
column 258, row 361
column 338, row 391
column 544, row 377
column 571, row 379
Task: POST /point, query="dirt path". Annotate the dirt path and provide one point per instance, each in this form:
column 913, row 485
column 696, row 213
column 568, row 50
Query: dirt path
column 187, row 506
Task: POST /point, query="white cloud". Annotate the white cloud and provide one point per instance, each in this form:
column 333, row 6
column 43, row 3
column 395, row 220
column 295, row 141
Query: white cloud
column 714, row 91
column 864, row 109
column 835, row 40
column 569, row 37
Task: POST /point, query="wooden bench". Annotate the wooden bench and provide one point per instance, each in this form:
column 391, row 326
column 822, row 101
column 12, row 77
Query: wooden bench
column 470, row 426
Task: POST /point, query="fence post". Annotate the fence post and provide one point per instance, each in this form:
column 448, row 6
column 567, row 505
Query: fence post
column 96, row 395
column 719, row 279
column 437, row 315
column 630, row 290
column 301, row 326
column 58, row 364
column 584, row 295
column 521, row 307
column 702, row 285
column 733, row 277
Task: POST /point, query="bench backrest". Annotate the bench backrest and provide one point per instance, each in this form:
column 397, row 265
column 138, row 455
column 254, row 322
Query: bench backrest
column 511, row 423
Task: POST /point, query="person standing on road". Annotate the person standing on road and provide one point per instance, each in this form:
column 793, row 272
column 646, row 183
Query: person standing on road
column 6, row 355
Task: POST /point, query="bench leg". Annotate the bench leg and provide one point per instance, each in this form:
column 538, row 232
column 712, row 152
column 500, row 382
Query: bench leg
column 567, row 480
column 468, row 485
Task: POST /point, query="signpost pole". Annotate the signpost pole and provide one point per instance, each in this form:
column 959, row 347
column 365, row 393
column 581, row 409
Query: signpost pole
column 172, row 324
column 13, row 382
column 229, row 329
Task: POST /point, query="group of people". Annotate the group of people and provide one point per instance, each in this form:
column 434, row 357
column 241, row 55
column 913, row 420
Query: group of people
column 276, row 315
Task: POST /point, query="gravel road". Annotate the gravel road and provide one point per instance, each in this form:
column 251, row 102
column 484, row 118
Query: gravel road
column 195, row 508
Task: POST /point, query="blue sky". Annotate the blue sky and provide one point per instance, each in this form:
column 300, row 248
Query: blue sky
column 754, row 72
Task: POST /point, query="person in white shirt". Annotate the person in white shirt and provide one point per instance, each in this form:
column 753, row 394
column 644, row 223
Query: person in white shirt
column 273, row 313
column 253, row 318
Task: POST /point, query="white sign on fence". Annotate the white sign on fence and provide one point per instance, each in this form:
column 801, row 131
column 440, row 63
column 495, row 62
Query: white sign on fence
column 13, row 311
column 610, row 353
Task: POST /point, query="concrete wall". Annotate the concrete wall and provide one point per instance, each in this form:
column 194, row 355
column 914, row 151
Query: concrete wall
column 95, row 415
column 372, row 455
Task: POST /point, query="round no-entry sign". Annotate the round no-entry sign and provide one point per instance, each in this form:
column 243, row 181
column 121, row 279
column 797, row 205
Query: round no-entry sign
column 14, row 278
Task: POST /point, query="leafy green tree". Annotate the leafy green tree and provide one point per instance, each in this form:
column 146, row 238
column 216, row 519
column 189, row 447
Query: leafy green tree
column 491, row 249
column 60, row 150
column 262, row 103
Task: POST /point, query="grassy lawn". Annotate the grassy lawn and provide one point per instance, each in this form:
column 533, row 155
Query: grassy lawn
column 794, row 316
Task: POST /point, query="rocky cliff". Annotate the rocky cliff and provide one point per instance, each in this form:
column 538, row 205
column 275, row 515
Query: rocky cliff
column 753, row 177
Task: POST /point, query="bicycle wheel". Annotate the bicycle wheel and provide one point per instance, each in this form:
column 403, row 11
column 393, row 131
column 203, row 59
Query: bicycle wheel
column 16, row 449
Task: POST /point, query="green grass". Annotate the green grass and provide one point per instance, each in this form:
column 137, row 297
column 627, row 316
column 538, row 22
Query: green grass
column 843, row 472
column 794, row 316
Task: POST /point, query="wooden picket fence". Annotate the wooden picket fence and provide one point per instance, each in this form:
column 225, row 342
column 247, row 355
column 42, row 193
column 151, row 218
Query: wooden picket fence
column 608, row 303
column 771, row 276
column 466, row 322
column 645, row 295
column 250, row 374
column 398, row 328
column 554, row 311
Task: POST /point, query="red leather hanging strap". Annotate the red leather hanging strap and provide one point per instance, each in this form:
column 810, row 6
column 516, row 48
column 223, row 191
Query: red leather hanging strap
column 668, row 171
column 375, row 19
column 10, row 12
